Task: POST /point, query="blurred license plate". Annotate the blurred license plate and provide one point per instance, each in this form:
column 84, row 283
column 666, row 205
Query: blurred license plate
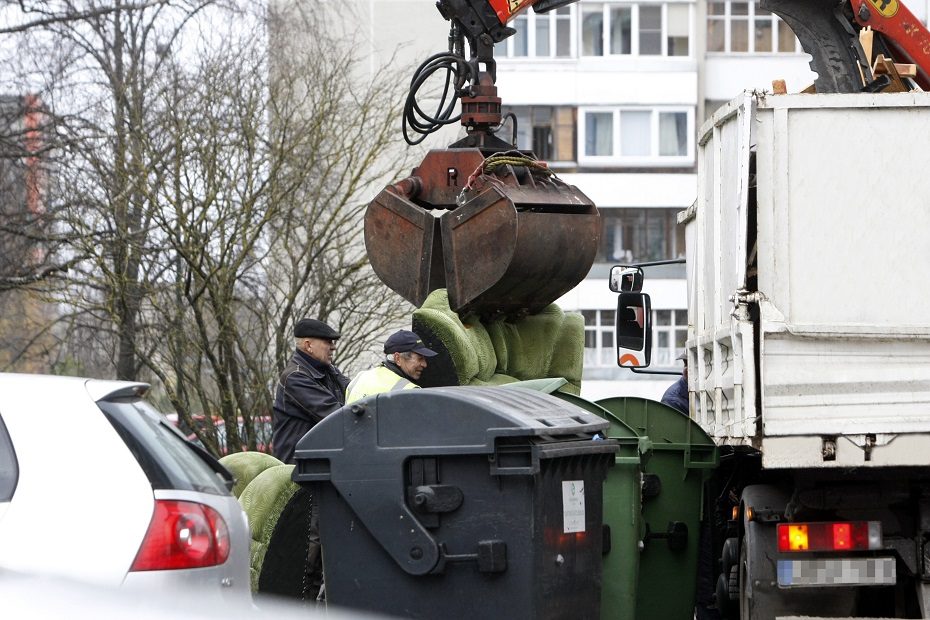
column 837, row 572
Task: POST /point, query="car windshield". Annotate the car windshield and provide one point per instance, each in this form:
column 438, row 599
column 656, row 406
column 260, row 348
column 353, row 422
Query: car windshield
column 169, row 461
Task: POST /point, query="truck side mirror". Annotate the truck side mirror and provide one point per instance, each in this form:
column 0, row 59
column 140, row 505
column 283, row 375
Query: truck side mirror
column 626, row 279
column 634, row 330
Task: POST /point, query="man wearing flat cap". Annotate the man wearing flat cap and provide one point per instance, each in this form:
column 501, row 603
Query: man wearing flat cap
column 405, row 359
column 309, row 389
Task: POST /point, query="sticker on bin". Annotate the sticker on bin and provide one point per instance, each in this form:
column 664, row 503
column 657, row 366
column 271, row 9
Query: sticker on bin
column 836, row 572
column 572, row 506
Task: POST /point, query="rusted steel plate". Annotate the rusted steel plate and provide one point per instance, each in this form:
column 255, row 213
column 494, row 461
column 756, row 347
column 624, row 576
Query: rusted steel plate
column 404, row 246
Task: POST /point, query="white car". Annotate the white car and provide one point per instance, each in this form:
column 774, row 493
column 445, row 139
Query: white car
column 96, row 485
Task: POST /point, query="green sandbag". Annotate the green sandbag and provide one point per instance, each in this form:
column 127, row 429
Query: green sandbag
column 265, row 497
column 568, row 359
column 467, row 341
column 547, row 344
column 244, row 466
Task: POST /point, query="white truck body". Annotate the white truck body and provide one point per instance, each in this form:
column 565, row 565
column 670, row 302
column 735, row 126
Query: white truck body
column 809, row 311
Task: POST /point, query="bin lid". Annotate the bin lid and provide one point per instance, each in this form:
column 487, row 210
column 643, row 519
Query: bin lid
column 449, row 420
column 665, row 427
column 617, row 429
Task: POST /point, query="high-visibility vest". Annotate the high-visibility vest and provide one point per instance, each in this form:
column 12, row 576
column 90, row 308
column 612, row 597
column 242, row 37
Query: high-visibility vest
column 375, row 381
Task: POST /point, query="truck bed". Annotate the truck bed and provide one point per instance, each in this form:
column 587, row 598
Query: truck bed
column 807, row 249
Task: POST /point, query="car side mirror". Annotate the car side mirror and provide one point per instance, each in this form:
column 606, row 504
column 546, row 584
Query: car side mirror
column 626, row 279
column 634, row 330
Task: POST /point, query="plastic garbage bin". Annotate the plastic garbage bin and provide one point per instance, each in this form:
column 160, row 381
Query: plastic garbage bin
column 681, row 457
column 624, row 527
column 463, row 502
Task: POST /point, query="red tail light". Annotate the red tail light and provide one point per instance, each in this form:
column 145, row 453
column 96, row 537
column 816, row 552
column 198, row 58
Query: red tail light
column 830, row 536
column 183, row 535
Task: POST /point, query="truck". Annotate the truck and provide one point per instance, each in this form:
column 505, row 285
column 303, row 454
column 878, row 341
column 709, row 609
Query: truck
column 808, row 352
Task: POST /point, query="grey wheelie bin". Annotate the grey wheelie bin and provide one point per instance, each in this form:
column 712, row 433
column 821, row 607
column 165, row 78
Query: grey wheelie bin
column 681, row 456
column 460, row 502
column 624, row 528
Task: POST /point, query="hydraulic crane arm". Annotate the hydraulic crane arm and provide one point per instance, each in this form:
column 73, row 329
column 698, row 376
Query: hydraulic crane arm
column 487, row 222
column 829, row 32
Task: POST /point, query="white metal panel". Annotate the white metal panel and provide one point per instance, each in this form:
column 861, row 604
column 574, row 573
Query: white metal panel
column 720, row 338
column 853, row 218
column 841, row 226
column 845, row 386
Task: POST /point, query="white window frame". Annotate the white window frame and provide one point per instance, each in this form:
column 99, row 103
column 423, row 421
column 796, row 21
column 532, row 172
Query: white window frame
column 665, row 357
column 644, row 160
column 750, row 20
column 634, row 30
column 531, row 17
column 601, row 356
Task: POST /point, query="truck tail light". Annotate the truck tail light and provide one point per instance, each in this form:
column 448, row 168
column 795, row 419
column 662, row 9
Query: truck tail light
column 183, row 535
column 830, row 536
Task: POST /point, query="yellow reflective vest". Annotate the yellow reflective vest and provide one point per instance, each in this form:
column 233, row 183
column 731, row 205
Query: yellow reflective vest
column 375, row 381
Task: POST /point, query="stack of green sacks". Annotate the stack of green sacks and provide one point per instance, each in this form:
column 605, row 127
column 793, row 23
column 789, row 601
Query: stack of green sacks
column 280, row 557
column 472, row 352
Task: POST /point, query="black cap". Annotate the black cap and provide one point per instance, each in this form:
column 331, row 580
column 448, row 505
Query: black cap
column 311, row 328
column 405, row 340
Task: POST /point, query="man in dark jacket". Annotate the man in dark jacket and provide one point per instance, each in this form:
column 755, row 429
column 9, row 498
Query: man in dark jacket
column 676, row 396
column 309, row 389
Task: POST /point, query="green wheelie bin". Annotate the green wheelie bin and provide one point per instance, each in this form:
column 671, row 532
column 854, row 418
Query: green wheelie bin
column 680, row 458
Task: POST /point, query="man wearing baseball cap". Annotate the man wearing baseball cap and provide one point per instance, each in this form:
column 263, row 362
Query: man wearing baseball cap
column 309, row 389
column 405, row 359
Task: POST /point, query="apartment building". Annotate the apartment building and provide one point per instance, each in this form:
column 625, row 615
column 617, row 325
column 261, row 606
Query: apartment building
column 612, row 93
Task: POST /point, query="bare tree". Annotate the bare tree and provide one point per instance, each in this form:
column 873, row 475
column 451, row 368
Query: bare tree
column 261, row 216
column 205, row 202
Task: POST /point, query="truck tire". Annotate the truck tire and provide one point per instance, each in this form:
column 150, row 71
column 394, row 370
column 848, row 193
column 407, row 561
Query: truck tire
column 828, row 36
column 755, row 576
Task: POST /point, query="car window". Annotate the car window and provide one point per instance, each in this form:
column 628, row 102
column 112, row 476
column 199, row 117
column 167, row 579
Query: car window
column 9, row 470
column 169, row 461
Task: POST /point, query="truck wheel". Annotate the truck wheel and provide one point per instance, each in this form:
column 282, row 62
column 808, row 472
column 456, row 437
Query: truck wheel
column 745, row 581
column 758, row 596
column 729, row 556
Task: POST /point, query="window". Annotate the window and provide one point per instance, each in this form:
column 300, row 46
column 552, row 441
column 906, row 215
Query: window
column 634, row 136
column 548, row 131
column 599, row 134
column 613, row 28
column 540, row 36
column 742, row 26
column 669, row 333
column 637, row 235
column 599, row 347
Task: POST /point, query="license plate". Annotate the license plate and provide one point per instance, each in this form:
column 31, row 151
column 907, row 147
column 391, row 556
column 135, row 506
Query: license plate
column 837, row 572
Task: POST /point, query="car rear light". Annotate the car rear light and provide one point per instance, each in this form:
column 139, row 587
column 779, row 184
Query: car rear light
column 183, row 535
column 830, row 536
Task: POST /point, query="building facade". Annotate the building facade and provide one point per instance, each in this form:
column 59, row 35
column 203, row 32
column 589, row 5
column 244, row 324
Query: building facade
column 612, row 94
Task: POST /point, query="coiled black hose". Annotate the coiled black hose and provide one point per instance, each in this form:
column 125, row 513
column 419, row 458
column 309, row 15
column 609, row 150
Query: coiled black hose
column 458, row 72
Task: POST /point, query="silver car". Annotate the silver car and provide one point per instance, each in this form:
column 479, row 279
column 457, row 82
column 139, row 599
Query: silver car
column 97, row 485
